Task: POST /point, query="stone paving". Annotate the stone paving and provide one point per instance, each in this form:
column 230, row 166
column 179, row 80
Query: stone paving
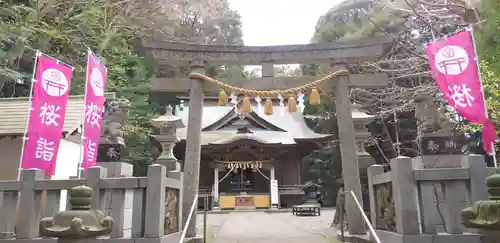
column 262, row 227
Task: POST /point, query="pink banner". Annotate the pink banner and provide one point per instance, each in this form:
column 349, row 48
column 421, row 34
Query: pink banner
column 453, row 64
column 94, row 108
column 48, row 110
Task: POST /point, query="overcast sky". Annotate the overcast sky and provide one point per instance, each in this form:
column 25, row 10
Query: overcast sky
column 280, row 22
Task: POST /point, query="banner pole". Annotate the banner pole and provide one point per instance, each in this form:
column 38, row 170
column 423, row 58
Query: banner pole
column 82, row 140
column 32, row 85
column 493, row 151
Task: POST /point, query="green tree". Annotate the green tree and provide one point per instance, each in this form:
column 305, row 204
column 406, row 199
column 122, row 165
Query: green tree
column 487, row 37
column 113, row 29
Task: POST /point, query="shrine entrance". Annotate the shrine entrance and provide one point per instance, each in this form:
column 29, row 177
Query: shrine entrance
column 338, row 56
column 244, row 177
column 244, row 185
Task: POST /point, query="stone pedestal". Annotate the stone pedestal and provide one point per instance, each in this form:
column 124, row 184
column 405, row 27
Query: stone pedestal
column 119, row 169
column 108, row 152
column 439, row 149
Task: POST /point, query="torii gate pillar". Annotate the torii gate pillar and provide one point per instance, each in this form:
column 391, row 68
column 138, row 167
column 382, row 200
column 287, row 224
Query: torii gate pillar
column 350, row 168
column 191, row 168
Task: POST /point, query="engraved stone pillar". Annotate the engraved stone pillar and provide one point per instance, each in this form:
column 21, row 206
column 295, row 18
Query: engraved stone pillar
column 118, row 201
column 193, row 148
column 350, row 168
column 168, row 125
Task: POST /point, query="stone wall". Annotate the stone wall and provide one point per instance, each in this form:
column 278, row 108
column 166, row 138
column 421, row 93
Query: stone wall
column 424, row 204
column 153, row 204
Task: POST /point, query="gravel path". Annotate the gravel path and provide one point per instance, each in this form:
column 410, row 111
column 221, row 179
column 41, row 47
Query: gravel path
column 262, row 227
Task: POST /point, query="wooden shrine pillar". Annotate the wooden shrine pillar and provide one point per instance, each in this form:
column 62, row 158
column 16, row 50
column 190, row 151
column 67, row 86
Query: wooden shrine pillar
column 192, row 157
column 350, row 168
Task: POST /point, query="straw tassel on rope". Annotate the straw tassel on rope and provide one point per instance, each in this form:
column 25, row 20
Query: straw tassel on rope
column 314, row 97
column 268, row 107
column 292, row 104
column 246, row 105
column 223, row 99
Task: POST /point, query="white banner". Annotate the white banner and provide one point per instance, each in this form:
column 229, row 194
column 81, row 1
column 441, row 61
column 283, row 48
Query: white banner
column 274, row 192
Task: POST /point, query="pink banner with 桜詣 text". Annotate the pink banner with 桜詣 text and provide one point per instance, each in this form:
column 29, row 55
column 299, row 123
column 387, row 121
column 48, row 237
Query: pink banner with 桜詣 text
column 95, row 85
column 47, row 113
column 454, row 66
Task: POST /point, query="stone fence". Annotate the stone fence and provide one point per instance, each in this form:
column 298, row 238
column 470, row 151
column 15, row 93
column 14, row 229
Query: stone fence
column 424, row 205
column 154, row 213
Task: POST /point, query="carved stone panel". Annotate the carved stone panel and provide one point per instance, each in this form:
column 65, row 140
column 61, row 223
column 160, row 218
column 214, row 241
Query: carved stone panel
column 171, row 211
column 439, row 145
column 384, row 205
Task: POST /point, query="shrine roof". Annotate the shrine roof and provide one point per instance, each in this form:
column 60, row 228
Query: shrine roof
column 15, row 113
column 282, row 127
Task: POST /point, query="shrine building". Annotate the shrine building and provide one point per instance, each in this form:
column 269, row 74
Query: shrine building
column 253, row 160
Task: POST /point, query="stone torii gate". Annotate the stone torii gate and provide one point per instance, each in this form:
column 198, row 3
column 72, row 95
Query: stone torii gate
column 336, row 54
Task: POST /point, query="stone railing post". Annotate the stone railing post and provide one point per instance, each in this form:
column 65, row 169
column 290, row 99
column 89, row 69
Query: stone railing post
column 29, row 205
column 154, row 225
column 8, row 214
column 404, row 193
column 373, row 171
column 95, row 174
column 477, row 173
column 118, row 203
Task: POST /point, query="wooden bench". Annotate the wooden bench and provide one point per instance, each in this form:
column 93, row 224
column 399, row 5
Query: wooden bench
column 306, row 209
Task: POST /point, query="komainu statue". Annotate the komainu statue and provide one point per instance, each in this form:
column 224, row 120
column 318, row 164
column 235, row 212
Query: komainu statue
column 485, row 214
column 115, row 115
column 431, row 117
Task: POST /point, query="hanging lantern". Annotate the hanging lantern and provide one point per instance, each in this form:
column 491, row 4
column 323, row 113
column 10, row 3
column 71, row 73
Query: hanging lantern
column 292, row 104
column 268, row 107
column 314, row 97
column 246, row 105
column 223, row 98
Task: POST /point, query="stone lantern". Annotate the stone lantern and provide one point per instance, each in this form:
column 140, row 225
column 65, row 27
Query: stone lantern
column 168, row 125
column 360, row 120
